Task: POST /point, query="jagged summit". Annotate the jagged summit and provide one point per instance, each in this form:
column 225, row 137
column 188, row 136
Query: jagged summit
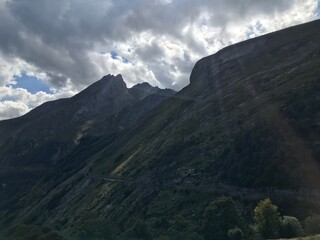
column 66, row 121
column 108, row 86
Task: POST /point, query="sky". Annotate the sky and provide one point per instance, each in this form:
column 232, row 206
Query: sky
column 54, row 49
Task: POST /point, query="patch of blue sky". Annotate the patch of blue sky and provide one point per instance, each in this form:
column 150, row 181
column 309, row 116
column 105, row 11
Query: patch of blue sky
column 115, row 55
column 31, row 84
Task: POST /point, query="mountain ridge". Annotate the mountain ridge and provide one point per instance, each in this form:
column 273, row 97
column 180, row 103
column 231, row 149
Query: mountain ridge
column 247, row 122
column 100, row 100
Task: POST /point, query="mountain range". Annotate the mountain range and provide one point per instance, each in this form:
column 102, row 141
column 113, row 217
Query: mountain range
column 246, row 126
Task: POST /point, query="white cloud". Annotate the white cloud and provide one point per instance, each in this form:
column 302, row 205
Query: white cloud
column 11, row 109
column 21, row 101
column 161, row 39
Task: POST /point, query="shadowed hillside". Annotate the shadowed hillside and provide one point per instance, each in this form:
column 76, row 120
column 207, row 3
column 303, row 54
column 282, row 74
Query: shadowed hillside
column 247, row 126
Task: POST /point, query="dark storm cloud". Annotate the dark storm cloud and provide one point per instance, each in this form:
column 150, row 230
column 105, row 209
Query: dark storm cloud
column 58, row 36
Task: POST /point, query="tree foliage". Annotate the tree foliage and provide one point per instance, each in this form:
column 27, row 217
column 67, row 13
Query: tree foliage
column 219, row 217
column 312, row 225
column 266, row 218
column 290, row 227
column 235, row 234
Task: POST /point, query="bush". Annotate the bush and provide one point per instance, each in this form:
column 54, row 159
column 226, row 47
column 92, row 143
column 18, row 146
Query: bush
column 267, row 220
column 219, row 217
column 312, row 225
column 235, row 234
column 290, row 227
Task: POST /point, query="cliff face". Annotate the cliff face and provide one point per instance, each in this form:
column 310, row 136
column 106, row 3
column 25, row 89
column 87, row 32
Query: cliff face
column 247, row 122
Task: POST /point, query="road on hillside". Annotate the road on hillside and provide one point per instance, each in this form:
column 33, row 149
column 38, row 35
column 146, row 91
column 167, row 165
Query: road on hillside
column 222, row 189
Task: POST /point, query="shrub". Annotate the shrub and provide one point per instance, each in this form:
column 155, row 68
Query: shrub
column 235, row 234
column 266, row 218
column 290, row 227
column 312, row 225
column 219, row 217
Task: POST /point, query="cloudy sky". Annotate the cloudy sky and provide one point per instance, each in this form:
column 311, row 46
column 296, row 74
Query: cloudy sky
column 52, row 49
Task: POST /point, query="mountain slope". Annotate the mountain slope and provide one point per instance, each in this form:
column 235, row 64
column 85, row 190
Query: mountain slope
column 239, row 111
column 50, row 131
column 248, row 121
column 62, row 133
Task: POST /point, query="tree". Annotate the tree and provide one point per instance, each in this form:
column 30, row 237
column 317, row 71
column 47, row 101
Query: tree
column 219, row 217
column 235, row 234
column 290, row 227
column 266, row 218
column 312, row 225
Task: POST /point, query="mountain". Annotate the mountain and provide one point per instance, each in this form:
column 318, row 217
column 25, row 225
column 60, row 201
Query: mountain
column 39, row 142
column 246, row 126
column 48, row 132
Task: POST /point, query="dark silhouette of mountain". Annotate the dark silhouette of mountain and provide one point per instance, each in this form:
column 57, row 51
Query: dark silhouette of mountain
column 53, row 129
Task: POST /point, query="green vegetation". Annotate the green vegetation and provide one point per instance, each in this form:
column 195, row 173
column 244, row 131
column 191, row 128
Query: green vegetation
column 32, row 232
column 251, row 125
column 91, row 226
column 141, row 230
column 219, row 217
column 2, row 236
column 235, row 234
column 267, row 219
column 290, row 227
column 312, row 225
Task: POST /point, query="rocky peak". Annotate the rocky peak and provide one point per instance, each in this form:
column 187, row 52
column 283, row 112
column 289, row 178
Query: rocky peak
column 142, row 90
column 143, row 86
column 109, row 86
